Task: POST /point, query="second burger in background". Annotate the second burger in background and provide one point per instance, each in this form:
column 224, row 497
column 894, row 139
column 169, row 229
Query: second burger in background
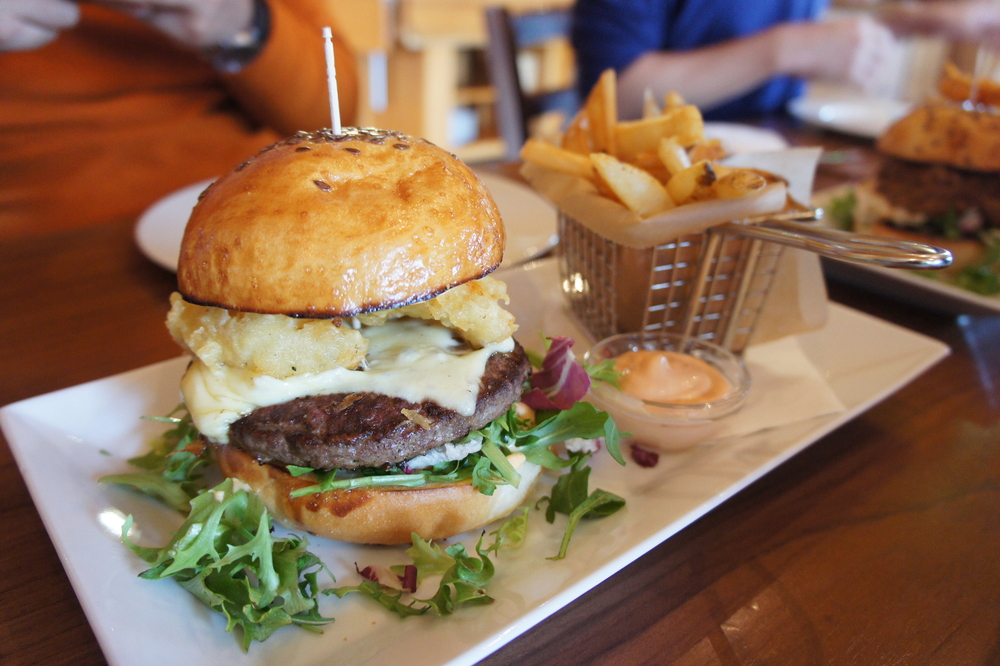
column 939, row 182
column 351, row 360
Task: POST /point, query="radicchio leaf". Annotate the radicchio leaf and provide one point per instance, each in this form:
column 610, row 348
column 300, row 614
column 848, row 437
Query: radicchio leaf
column 368, row 573
column 561, row 382
column 409, row 578
column 643, row 457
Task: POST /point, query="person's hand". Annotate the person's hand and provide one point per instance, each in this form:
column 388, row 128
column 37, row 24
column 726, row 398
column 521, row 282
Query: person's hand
column 975, row 21
column 197, row 24
column 971, row 20
column 28, row 24
column 853, row 50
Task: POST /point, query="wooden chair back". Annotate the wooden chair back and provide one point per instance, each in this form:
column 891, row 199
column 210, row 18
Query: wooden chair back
column 508, row 35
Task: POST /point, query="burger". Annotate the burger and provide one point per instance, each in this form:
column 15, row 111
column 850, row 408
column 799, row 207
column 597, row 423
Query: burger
column 939, row 182
column 349, row 347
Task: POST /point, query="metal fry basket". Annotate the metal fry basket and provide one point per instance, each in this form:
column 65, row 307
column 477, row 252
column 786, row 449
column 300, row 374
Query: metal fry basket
column 710, row 285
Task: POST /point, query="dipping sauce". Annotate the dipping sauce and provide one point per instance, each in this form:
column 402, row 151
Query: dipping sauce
column 670, row 377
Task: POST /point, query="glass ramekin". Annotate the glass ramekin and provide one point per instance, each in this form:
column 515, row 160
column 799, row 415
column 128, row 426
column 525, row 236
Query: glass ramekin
column 664, row 425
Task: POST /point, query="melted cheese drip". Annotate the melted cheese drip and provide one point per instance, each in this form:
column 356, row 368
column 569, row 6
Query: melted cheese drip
column 410, row 359
column 670, row 377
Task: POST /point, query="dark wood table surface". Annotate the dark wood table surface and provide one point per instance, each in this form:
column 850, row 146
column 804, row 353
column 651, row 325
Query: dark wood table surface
column 878, row 544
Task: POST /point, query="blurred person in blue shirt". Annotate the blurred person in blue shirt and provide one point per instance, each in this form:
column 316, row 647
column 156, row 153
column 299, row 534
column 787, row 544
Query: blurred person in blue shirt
column 740, row 59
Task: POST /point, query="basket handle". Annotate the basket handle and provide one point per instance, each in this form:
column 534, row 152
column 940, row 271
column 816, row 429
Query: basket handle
column 843, row 245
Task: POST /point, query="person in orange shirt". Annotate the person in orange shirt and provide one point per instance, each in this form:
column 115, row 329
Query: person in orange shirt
column 108, row 105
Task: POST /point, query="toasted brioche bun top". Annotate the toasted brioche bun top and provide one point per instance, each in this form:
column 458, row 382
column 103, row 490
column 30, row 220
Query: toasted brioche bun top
column 948, row 134
column 325, row 225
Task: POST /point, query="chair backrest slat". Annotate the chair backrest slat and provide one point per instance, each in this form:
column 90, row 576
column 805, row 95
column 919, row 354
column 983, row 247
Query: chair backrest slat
column 508, row 34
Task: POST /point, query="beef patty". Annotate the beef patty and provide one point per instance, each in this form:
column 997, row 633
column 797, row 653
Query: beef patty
column 353, row 430
column 936, row 189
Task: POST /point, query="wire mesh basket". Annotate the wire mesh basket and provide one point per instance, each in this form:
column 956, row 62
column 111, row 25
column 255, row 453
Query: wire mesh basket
column 710, row 285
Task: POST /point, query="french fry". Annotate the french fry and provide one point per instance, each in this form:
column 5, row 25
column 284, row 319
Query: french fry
column 547, row 126
column 637, row 189
column 601, row 108
column 557, row 159
column 738, row 183
column 707, row 149
column 576, row 138
column 649, row 106
column 673, row 99
column 956, row 85
column 693, row 183
column 652, row 163
column 672, row 155
column 635, row 137
column 649, row 165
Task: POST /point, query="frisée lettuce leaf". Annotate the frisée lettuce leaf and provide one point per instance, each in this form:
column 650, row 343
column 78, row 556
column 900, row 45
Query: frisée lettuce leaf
column 225, row 556
column 172, row 467
column 463, row 576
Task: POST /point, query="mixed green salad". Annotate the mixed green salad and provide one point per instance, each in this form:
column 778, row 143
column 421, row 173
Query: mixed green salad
column 226, row 555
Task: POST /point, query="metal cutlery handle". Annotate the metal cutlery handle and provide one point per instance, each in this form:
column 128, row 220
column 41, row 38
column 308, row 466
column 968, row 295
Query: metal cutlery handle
column 844, row 245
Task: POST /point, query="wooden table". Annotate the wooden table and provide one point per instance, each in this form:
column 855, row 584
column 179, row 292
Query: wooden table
column 879, row 544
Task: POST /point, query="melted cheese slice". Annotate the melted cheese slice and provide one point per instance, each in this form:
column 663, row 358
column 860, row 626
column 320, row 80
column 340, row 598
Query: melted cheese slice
column 410, row 359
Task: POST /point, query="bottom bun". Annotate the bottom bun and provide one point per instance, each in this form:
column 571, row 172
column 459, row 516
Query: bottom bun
column 384, row 516
column 964, row 251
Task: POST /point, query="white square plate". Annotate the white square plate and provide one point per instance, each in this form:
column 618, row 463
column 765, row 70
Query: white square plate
column 926, row 289
column 64, row 441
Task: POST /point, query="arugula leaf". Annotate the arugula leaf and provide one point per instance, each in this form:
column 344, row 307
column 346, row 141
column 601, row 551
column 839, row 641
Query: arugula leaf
column 841, row 210
column 583, row 420
column 604, row 372
column 947, row 225
column 570, row 496
column 598, row 504
column 489, row 467
column 570, row 490
column 980, row 279
column 534, row 358
column 502, row 466
column 329, row 481
column 983, row 277
column 484, row 476
column 225, row 556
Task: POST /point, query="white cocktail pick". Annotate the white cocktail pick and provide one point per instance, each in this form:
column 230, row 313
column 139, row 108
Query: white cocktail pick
column 331, row 81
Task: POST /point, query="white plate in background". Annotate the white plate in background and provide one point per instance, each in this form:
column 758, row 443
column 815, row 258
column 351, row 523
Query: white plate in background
column 161, row 227
column 530, row 221
column 64, row 441
column 927, row 289
column 907, row 286
column 842, row 110
column 740, row 138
